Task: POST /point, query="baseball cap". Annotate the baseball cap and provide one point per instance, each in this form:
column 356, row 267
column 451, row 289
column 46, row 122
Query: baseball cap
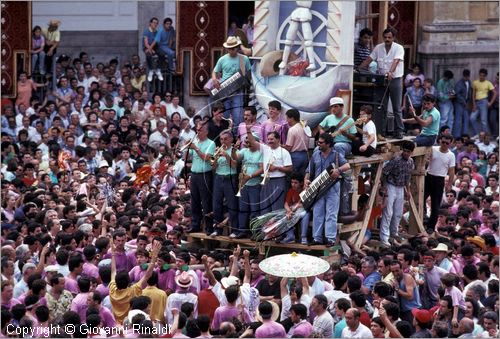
column 336, row 101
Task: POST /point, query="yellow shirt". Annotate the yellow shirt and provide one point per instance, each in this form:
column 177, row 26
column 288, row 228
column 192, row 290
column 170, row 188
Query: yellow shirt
column 120, row 299
column 52, row 36
column 158, row 302
column 388, row 278
column 482, row 89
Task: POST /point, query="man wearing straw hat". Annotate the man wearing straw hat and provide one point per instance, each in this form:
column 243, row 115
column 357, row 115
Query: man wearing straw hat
column 227, row 66
column 52, row 40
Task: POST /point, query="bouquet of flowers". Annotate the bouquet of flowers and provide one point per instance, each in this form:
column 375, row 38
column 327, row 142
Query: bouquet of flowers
column 274, row 224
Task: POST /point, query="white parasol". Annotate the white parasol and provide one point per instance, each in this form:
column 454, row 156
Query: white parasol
column 294, row 265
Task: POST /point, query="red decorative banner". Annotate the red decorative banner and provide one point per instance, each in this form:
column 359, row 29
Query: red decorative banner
column 201, row 31
column 15, row 41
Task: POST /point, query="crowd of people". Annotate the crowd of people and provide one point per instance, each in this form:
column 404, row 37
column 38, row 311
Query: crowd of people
column 102, row 183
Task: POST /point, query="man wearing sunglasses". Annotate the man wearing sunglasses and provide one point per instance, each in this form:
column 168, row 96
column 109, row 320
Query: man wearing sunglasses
column 429, row 120
column 442, row 164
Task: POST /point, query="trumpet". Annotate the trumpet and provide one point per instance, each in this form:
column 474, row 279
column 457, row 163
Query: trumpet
column 217, row 155
column 240, row 180
column 265, row 178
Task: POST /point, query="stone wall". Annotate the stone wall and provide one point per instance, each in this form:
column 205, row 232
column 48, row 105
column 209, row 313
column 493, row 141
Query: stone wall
column 458, row 35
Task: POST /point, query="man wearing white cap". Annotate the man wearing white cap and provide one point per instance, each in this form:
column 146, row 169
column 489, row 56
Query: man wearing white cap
column 226, row 66
column 338, row 122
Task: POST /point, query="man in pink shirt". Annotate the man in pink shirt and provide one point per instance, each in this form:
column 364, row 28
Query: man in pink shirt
column 79, row 303
column 269, row 328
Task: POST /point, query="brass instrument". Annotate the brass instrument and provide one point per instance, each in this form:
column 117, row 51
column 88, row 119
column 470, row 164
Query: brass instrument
column 343, row 129
column 186, row 146
column 240, row 180
column 217, row 155
column 265, row 178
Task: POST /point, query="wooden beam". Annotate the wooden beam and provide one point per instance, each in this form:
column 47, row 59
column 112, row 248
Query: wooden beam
column 346, row 228
column 416, row 224
column 373, row 195
column 254, row 244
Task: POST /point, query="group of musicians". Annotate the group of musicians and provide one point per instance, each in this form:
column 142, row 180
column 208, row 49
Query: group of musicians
column 250, row 175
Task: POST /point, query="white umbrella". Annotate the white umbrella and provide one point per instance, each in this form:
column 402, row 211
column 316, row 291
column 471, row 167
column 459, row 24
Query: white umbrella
column 294, row 265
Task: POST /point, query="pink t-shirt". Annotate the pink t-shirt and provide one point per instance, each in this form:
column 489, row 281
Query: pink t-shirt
column 456, row 296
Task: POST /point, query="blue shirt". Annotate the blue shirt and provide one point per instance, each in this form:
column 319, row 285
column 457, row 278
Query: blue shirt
column 331, row 120
column 151, row 36
column 370, row 281
column 318, row 163
column 165, row 39
column 229, row 65
column 433, row 128
column 251, row 161
column 199, row 165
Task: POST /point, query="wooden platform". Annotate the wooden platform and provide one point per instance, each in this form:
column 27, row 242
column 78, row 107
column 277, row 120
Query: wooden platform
column 253, row 244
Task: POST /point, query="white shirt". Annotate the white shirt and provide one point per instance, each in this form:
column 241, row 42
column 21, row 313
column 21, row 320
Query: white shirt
column 280, row 156
column 370, row 129
column 156, row 139
column 334, row 295
column 175, row 300
column 323, row 324
column 440, row 162
column 361, row 332
column 384, row 59
column 286, row 304
column 171, row 109
column 249, row 296
column 185, row 136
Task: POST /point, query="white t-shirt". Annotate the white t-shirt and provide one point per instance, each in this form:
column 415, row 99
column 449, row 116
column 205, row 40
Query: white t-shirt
column 281, row 158
column 361, row 332
column 370, row 129
column 384, row 60
column 334, row 295
column 286, row 304
column 249, row 295
column 323, row 324
column 440, row 162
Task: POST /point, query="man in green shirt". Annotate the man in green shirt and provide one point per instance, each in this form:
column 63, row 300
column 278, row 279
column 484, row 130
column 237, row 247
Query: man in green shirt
column 429, row 120
column 202, row 149
column 249, row 184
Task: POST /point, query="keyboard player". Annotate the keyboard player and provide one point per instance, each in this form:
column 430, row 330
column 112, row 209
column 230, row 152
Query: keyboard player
column 326, row 206
column 227, row 65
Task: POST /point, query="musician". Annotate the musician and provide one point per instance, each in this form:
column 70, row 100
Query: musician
column 201, row 179
column 217, row 124
column 429, row 120
column 297, row 141
column 344, row 132
column 275, row 122
column 367, row 145
column 228, row 65
column 249, row 184
column 250, row 119
column 338, row 122
column 225, row 182
column 326, row 207
column 277, row 163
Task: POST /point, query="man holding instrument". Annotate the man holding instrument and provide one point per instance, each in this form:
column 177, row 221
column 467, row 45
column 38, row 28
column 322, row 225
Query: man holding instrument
column 429, row 120
column 228, row 65
column 343, row 130
column 326, row 206
column 201, row 149
column 277, row 163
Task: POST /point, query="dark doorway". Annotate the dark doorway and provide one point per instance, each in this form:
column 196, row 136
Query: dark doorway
column 239, row 11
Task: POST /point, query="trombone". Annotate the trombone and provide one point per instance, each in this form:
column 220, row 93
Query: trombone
column 240, row 180
column 186, row 146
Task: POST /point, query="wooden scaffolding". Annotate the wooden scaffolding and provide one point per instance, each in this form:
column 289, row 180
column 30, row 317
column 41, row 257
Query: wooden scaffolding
column 354, row 231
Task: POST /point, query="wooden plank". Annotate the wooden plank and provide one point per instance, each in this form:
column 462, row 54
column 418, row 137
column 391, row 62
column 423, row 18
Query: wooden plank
column 250, row 243
column 355, row 193
column 416, row 224
column 346, row 228
column 373, row 195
